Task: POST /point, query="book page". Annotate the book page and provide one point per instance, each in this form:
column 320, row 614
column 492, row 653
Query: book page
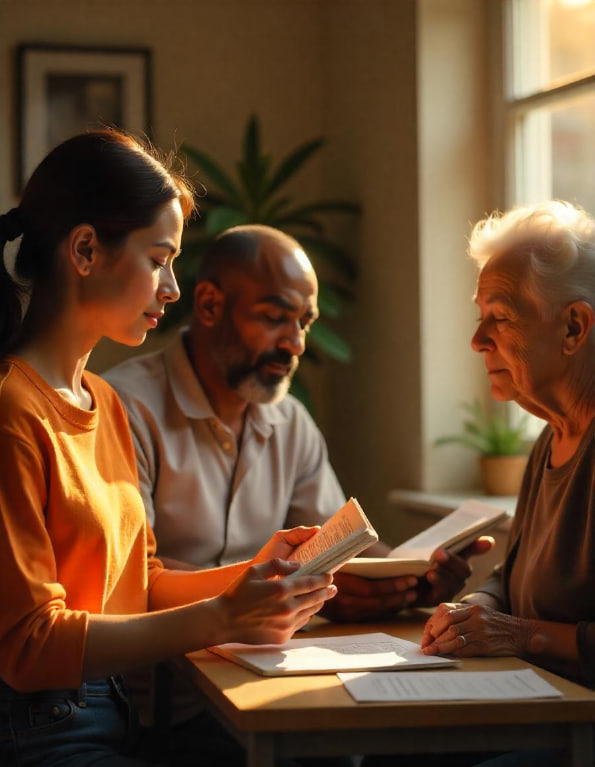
column 346, row 522
column 325, row 655
column 453, row 685
column 462, row 525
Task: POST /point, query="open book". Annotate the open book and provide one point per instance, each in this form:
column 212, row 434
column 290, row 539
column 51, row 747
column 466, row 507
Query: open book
column 328, row 655
column 341, row 537
column 453, row 532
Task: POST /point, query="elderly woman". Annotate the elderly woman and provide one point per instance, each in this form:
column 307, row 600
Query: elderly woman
column 536, row 299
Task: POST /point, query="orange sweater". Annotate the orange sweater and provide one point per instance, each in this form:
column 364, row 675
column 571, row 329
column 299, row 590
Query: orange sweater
column 73, row 532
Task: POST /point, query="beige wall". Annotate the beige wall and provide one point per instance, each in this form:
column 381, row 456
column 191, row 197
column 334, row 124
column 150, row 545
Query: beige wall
column 374, row 406
column 454, row 192
column 396, row 86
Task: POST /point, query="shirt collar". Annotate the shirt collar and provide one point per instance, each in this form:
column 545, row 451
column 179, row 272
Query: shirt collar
column 191, row 398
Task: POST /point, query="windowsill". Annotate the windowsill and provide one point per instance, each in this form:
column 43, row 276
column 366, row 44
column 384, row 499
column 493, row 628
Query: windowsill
column 440, row 504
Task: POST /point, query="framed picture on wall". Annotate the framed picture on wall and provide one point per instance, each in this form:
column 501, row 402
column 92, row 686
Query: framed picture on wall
column 64, row 90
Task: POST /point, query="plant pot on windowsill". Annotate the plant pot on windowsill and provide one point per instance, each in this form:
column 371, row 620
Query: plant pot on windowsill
column 502, row 474
column 502, row 447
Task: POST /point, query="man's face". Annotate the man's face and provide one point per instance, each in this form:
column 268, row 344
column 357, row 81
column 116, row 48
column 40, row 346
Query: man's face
column 262, row 333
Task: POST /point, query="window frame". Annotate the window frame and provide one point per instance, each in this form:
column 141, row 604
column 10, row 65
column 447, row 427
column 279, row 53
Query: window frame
column 509, row 185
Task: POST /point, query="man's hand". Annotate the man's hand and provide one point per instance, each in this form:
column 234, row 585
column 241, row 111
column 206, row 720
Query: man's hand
column 364, row 599
column 449, row 573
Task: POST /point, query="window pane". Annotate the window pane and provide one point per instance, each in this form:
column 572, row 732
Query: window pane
column 553, row 40
column 556, row 153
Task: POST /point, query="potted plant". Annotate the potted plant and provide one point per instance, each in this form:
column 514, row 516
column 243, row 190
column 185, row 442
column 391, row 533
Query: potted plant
column 257, row 194
column 503, row 446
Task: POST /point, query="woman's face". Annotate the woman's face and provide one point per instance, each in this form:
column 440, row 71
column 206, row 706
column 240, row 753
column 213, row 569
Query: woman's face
column 133, row 284
column 522, row 349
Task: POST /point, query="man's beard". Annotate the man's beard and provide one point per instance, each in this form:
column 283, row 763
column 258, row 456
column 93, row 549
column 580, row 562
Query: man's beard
column 248, row 379
column 254, row 385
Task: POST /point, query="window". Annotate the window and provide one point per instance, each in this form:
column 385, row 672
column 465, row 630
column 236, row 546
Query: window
column 550, row 104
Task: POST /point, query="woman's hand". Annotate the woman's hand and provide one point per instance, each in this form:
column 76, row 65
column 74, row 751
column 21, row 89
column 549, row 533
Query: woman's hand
column 283, row 542
column 260, row 607
column 466, row 630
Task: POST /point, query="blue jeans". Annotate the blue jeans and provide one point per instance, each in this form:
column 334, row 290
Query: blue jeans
column 94, row 725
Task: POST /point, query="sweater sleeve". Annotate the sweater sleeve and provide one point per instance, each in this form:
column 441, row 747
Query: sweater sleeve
column 494, row 586
column 42, row 642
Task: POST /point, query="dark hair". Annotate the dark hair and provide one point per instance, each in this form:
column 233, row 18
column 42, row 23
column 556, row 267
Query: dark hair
column 104, row 178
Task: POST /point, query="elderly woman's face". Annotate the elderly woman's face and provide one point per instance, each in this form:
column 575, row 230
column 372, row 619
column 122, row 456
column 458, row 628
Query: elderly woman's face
column 522, row 350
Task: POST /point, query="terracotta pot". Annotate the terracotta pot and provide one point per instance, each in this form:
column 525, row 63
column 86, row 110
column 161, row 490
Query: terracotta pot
column 502, row 474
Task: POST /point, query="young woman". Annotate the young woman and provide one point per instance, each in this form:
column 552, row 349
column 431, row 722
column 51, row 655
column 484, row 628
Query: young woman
column 83, row 596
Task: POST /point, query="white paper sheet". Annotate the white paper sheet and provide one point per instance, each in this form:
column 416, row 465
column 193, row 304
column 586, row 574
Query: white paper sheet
column 368, row 687
column 324, row 655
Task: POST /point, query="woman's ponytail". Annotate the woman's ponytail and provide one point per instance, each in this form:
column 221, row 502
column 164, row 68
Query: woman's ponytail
column 11, row 227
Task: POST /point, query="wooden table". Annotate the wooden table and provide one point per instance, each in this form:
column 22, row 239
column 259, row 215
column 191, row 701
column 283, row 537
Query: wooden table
column 315, row 716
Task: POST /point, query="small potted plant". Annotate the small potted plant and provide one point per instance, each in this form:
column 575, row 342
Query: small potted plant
column 503, row 447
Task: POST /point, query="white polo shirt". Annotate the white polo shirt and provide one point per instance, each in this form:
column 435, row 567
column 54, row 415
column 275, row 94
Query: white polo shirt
column 209, row 505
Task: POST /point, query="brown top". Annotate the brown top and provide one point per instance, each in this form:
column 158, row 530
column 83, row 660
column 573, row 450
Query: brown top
column 549, row 570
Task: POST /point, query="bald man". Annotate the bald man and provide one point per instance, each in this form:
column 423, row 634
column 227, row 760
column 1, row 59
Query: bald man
column 226, row 456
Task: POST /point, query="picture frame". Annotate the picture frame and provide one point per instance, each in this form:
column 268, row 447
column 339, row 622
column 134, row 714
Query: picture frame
column 65, row 90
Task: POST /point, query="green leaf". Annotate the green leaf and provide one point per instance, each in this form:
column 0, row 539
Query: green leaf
column 212, row 200
column 252, row 143
column 287, row 223
column 254, row 178
column 213, row 171
column 466, row 441
column 187, row 264
column 250, row 197
column 330, row 302
column 253, row 169
column 293, row 162
column 323, row 207
column 300, row 391
column 325, row 338
column 224, row 217
column 489, row 432
column 269, row 215
column 333, row 254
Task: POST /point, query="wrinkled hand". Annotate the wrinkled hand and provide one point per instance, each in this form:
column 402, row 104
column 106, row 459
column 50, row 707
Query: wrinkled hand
column 361, row 599
column 467, row 630
column 283, row 542
column 449, row 573
column 260, row 607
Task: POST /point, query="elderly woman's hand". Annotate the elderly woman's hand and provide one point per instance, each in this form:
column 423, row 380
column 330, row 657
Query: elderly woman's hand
column 466, row 630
